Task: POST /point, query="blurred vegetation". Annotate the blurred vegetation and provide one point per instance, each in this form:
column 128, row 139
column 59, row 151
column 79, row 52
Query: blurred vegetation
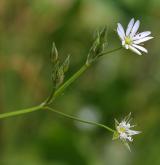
column 118, row 84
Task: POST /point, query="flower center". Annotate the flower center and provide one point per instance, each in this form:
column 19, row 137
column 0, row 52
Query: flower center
column 128, row 41
column 122, row 130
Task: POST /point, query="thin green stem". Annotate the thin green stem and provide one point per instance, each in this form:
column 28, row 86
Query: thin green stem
column 66, row 84
column 20, row 112
column 111, row 51
column 77, row 119
column 76, row 75
column 70, row 80
column 50, row 98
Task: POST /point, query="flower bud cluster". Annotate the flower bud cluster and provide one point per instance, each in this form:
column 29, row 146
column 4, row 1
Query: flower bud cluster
column 98, row 46
column 59, row 69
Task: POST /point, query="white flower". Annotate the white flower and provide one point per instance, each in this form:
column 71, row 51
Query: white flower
column 124, row 131
column 131, row 39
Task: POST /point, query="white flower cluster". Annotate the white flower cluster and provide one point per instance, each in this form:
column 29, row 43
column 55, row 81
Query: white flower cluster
column 131, row 39
column 124, row 131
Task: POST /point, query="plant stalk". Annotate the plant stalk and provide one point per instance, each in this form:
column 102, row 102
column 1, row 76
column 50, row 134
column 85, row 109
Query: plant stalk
column 56, row 93
column 59, row 91
column 20, row 112
column 79, row 120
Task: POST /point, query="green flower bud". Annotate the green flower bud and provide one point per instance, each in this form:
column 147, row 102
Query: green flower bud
column 65, row 64
column 54, row 53
column 97, row 47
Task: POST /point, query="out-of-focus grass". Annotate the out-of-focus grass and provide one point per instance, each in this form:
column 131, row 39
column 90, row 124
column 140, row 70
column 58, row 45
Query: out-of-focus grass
column 116, row 85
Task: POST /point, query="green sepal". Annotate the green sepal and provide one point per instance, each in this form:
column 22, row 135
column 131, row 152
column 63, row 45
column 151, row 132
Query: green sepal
column 66, row 63
column 116, row 123
column 126, row 145
column 115, row 135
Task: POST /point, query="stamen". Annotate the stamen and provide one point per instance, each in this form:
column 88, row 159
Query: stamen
column 128, row 41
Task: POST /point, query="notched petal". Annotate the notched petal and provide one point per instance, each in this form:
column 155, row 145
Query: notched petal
column 142, row 40
column 134, row 50
column 130, row 26
column 140, row 48
column 135, row 28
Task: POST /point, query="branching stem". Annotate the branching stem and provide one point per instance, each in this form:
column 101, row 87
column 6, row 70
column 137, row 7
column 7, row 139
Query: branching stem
column 56, row 93
column 59, row 91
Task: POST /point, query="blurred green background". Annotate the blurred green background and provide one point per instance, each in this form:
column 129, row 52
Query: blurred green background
column 116, row 85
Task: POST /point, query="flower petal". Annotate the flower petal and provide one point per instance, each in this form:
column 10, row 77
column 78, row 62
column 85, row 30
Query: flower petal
column 142, row 40
column 130, row 26
column 123, row 42
column 120, row 27
column 133, row 49
column 130, row 138
column 132, row 132
column 141, row 35
column 126, row 46
column 135, row 28
column 121, row 35
column 140, row 48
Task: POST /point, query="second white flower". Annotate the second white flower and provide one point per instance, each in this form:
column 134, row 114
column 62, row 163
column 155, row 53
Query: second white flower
column 131, row 39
